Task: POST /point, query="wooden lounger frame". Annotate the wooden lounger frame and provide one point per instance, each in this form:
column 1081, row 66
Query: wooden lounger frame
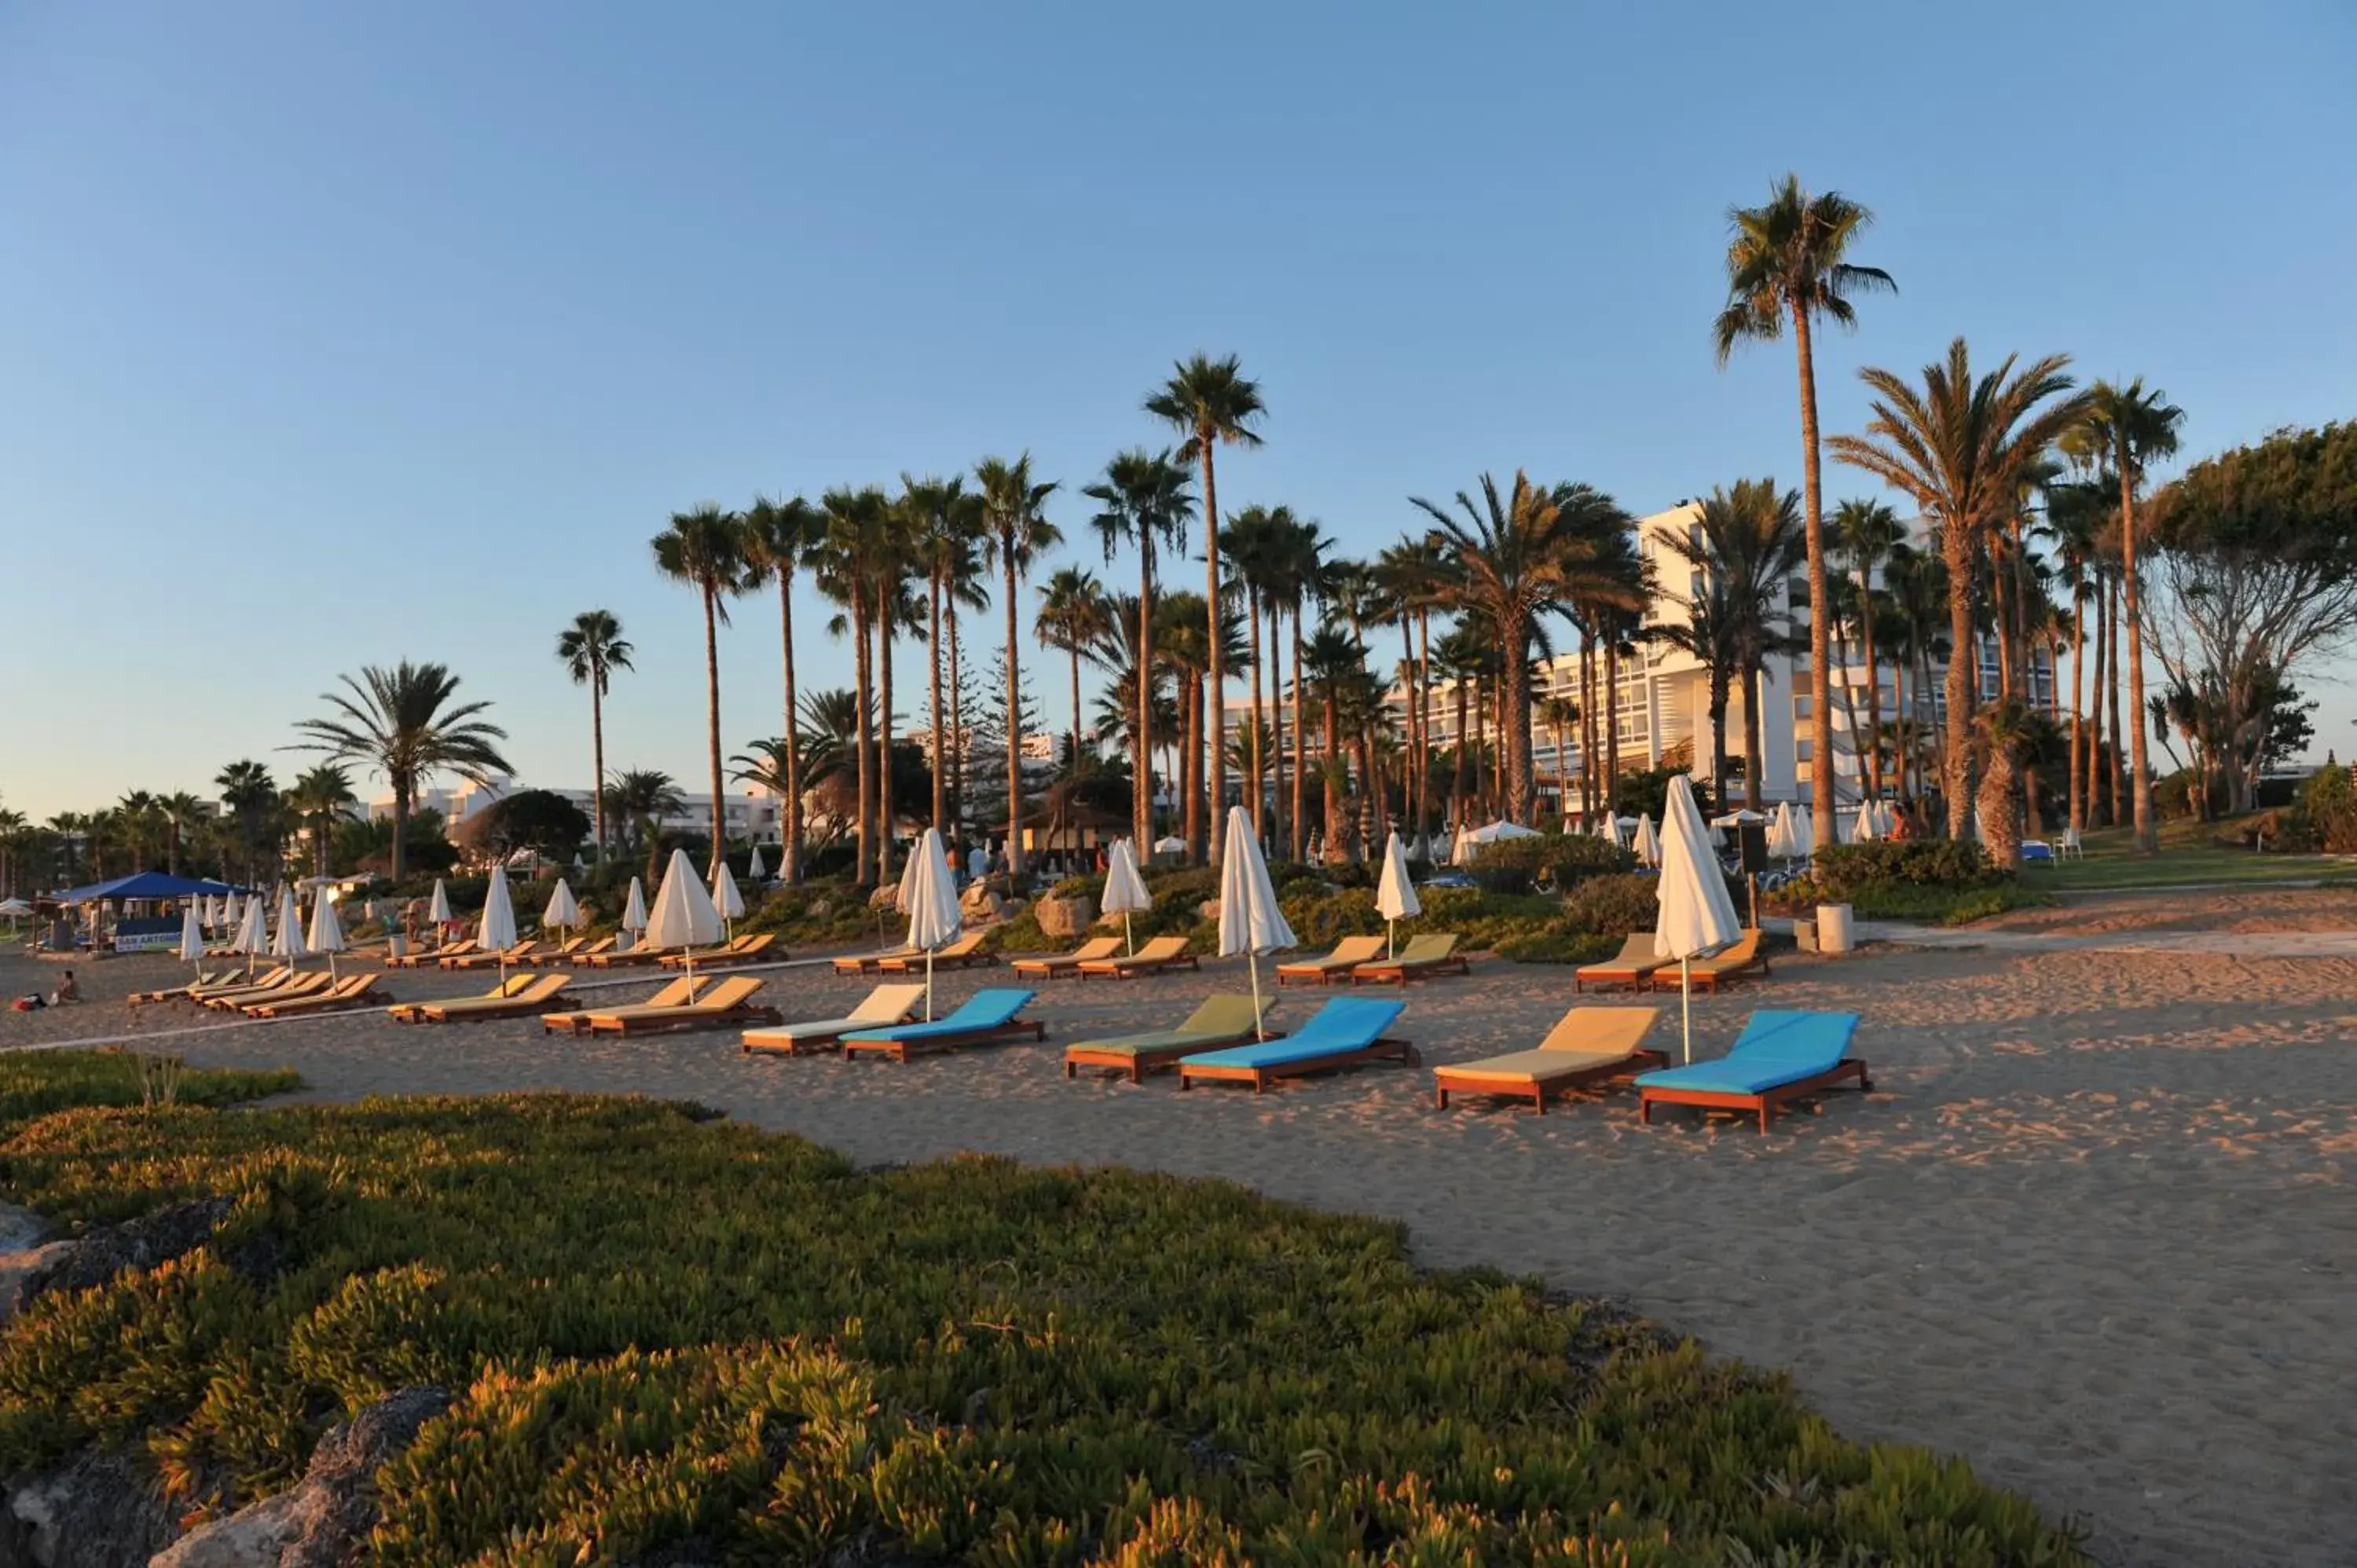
column 335, row 999
column 1447, row 1082
column 901, row 1050
column 1139, row 1063
column 1392, row 971
column 684, row 1019
column 1764, row 1102
column 1666, row 977
column 1607, row 973
column 862, row 963
column 1132, row 968
column 1260, row 1078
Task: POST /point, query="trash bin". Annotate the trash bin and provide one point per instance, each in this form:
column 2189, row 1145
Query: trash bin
column 396, row 946
column 1833, row 929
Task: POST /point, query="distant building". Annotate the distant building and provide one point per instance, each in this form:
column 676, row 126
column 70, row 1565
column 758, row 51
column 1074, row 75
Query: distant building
column 755, row 814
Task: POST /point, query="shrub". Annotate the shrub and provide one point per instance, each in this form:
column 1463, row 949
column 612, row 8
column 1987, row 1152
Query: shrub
column 1559, row 860
column 2324, row 815
column 1613, row 905
column 1842, row 870
column 814, row 1363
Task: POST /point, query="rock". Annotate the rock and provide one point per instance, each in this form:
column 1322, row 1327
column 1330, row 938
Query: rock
column 321, row 1519
column 80, row 1263
column 95, row 1512
column 821, row 908
column 884, row 896
column 20, row 1269
column 1067, row 917
column 1208, row 910
column 20, row 1229
column 979, row 903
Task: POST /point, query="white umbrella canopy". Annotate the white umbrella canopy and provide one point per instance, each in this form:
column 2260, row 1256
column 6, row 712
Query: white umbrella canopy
column 233, row 908
column 725, row 896
column 1124, row 888
column 287, row 942
column 754, row 870
column 934, row 914
column 327, row 933
column 1696, row 915
column 1502, row 829
column 192, row 932
column 1865, row 827
column 1250, row 920
column 1395, row 898
column 1461, row 848
column 253, row 932
column 1608, row 830
column 1647, row 844
column 564, row 910
column 684, row 914
column 438, row 911
column 1174, row 844
column 496, row 932
column 634, row 909
column 1782, row 843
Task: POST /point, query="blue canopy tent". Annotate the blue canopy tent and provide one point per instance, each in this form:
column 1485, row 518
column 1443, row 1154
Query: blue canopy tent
column 145, row 885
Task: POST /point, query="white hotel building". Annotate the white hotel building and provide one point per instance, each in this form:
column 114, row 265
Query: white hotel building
column 1663, row 696
column 752, row 815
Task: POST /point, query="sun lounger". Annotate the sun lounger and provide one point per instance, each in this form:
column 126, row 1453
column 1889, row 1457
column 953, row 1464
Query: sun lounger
column 1348, row 954
column 675, row 993
column 415, row 1012
column 262, row 982
column 1780, row 1055
column 424, row 956
column 175, row 992
column 728, row 1001
column 1435, row 953
column 295, row 986
column 522, row 953
column 962, row 953
column 858, row 963
column 1345, row 1031
column 1161, row 953
column 1047, row 966
column 1220, row 1022
column 1728, row 964
column 1631, row 966
column 615, row 957
column 1587, row 1045
column 351, row 991
column 987, row 1018
column 583, row 957
column 738, row 950
column 885, row 1004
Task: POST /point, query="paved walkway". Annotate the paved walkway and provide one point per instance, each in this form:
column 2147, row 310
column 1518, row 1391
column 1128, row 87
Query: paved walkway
column 2232, row 944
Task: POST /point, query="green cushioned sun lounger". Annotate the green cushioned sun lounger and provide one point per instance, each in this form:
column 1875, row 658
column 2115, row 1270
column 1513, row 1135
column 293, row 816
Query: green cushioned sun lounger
column 1780, row 1055
column 1345, row 1031
column 1220, row 1021
column 987, row 1018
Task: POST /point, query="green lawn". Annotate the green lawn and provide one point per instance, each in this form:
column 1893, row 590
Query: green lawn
column 676, row 1338
column 2190, row 856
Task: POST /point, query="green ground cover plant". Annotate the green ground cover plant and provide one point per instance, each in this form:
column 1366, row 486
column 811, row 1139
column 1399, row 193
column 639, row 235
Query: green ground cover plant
column 672, row 1337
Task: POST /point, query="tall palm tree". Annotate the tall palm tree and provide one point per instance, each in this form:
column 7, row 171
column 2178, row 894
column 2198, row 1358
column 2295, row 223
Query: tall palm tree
column 856, row 536
column 1252, row 536
column 1711, row 632
column 251, row 794
column 1559, row 713
column 1021, row 533
column 591, row 649
column 1868, row 531
column 185, row 815
column 704, row 549
column 779, row 538
column 1959, row 448
column 1786, row 260
column 947, row 521
column 2075, row 520
column 1212, row 403
column 642, row 798
column 1415, row 574
column 318, row 797
column 1302, row 566
column 2126, row 427
column 1751, row 538
column 402, row 724
column 1073, row 617
column 1143, row 500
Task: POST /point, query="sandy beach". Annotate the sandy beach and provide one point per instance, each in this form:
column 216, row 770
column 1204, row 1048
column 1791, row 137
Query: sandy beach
column 2093, row 1230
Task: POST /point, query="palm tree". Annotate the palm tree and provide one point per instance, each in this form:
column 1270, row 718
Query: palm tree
column 856, row 529
column 401, row 723
column 779, row 538
column 1212, row 403
column 2007, row 736
column 1252, row 537
column 1414, row 573
column 1785, row 260
column 185, row 815
column 316, row 797
column 1014, row 522
column 1301, row 568
column 250, row 793
column 946, row 522
column 1073, row 617
column 591, row 649
column 1559, row 713
column 1512, row 557
column 2126, row 427
column 1711, row 633
column 1960, row 449
column 1143, row 499
column 643, row 797
column 2074, row 521
column 704, row 549
column 1867, row 533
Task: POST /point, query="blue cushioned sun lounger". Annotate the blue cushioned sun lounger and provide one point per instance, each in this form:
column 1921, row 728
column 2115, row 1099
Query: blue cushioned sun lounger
column 987, row 1018
column 1780, row 1055
column 1345, row 1031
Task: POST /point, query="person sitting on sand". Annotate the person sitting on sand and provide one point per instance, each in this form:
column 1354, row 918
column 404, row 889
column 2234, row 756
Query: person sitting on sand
column 67, row 990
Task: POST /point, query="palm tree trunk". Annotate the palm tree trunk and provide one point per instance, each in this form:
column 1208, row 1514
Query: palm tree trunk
column 1014, row 725
column 400, row 833
column 1074, row 650
column 885, row 815
column 1278, row 830
column 1611, row 718
column 2001, row 838
column 2097, row 774
column 2078, row 733
column 1252, row 754
column 1873, row 677
column 1464, row 744
column 863, row 677
column 2122, row 807
column 792, row 869
column 1820, row 716
column 1751, row 737
column 939, row 762
column 1219, row 673
column 1964, row 677
column 1191, row 762
column 1586, row 731
column 1300, row 739
column 1721, row 679
column 2148, row 836
column 1424, row 720
column 957, row 726
column 597, row 757
column 1141, row 809
column 712, row 723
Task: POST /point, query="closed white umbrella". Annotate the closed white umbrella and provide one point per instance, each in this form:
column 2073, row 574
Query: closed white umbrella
column 1886, row 817
column 1173, row 844
column 1781, row 825
column 1250, row 920
column 287, row 942
column 233, row 908
column 1696, row 915
column 634, row 911
column 1395, row 898
column 1864, row 827
column 1607, row 829
column 755, row 872
column 725, row 896
column 1461, row 848
column 253, row 932
column 1124, row 890
column 327, row 933
column 930, row 894
column 438, row 911
column 685, row 915
column 192, row 936
column 496, row 932
column 564, row 910
column 1648, row 844
column 1805, row 830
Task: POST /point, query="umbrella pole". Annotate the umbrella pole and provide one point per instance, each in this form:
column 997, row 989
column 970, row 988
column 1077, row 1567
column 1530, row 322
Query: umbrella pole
column 1390, row 938
column 1253, row 961
column 929, row 985
column 1685, row 1004
column 1126, row 936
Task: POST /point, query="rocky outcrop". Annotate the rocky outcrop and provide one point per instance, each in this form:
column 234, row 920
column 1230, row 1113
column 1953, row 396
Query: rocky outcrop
column 96, row 1257
column 321, row 1519
column 1067, row 917
column 98, row 1512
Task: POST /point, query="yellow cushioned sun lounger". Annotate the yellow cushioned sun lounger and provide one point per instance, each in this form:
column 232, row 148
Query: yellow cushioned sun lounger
column 1587, row 1045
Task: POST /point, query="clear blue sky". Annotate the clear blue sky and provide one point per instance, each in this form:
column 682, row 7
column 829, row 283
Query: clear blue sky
column 333, row 333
